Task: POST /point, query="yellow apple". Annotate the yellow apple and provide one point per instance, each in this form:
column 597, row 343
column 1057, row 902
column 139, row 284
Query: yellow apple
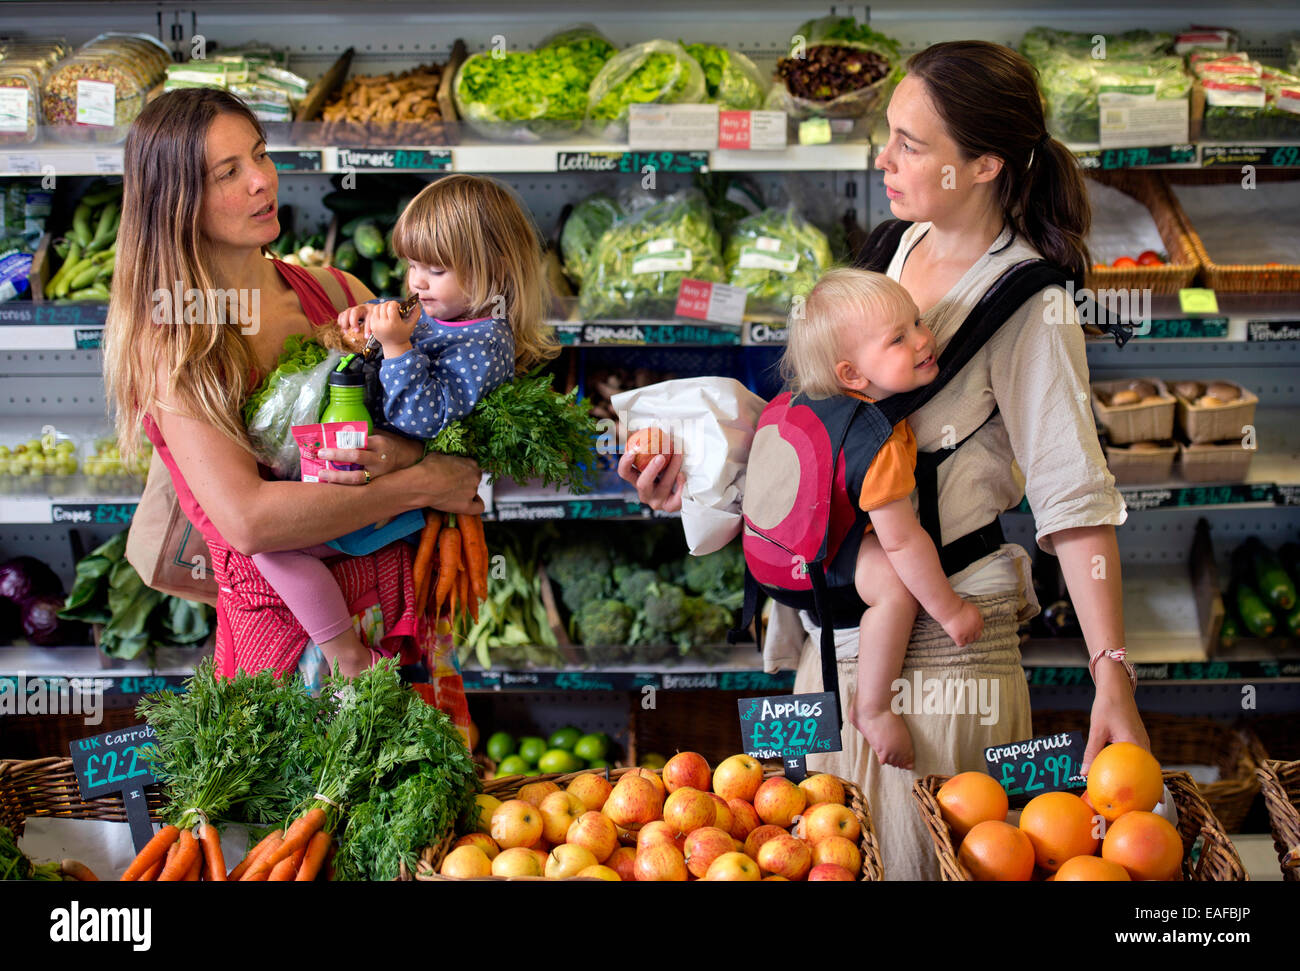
column 821, row 787
column 516, row 824
column 721, row 813
column 487, row 805
column 483, row 841
column 465, row 863
column 568, row 860
column 535, row 792
column 786, row 856
column 559, row 810
column 777, row 876
column 518, row 861
column 634, row 802
column 623, row 862
column 705, row 845
column 827, row 819
column 651, row 776
column 594, row 832
column 837, row 850
column 737, row 778
column 778, row 801
column 687, row 809
column 658, row 831
column 687, row 770
column 660, row 862
column 755, row 840
column 599, row 872
column 732, row 867
column 744, row 820
column 592, row 789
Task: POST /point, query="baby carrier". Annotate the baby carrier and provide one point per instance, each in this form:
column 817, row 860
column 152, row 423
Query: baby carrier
column 809, row 457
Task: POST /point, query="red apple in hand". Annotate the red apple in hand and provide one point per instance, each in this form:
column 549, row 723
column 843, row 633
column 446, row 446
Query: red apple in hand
column 645, row 443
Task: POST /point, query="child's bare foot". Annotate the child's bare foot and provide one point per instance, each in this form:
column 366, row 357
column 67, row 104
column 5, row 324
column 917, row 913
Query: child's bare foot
column 887, row 734
column 348, row 652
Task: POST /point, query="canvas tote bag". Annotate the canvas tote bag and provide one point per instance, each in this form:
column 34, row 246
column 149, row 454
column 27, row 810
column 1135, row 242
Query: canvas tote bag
column 164, row 547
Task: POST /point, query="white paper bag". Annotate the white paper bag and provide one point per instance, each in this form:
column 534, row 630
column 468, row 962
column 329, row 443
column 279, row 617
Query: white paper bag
column 711, row 420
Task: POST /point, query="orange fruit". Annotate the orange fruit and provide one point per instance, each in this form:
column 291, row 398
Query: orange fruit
column 1146, row 845
column 969, row 798
column 1060, row 827
column 1124, row 778
column 994, row 850
column 1090, row 868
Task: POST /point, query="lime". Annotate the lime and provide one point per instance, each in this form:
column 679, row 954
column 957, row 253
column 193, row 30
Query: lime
column 594, row 746
column 512, row 765
column 653, row 760
column 500, row 745
column 598, row 764
column 558, row 760
column 533, row 772
column 531, row 748
column 566, row 738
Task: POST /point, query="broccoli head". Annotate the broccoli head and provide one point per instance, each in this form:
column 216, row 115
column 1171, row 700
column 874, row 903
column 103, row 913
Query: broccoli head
column 568, row 563
column 665, row 609
column 707, row 623
column 720, row 576
column 604, row 623
column 635, row 585
column 583, row 589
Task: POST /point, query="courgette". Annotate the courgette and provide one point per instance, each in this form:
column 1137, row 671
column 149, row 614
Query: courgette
column 369, row 241
column 1292, row 621
column 1271, row 579
column 1230, row 632
column 388, row 241
column 380, row 276
column 350, row 202
column 1251, row 608
column 345, row 257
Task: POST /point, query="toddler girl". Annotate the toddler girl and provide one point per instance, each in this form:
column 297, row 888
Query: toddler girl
column 476, row 267
column 860, row 334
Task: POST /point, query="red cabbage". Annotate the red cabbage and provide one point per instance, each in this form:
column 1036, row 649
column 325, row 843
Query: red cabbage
column 41, row 621
column 25, row 577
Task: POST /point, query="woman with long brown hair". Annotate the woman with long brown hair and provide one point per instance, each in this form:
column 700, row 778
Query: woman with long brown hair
column 198, row 315
column 970, row 165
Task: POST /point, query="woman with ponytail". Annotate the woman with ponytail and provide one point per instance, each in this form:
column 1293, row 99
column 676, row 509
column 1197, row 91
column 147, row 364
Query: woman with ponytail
column 970, row 166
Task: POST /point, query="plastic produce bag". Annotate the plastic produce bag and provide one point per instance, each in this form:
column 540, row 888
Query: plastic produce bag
column 587, row 223
column 293, row 394
column 529, row 96
column 655, row 72
column 776, row 255
column 711, row 421
column 639, row 264
column 845, row 71
column 732, row 80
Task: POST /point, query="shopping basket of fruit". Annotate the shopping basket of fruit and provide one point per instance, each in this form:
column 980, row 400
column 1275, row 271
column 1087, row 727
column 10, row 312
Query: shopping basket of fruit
column 1060, row 836
column 1280, row 783
column 1232, row 751
column 685, row 821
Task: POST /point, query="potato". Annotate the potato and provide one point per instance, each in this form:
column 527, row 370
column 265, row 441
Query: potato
column 1120, row 398
column 1189, row 389
column 1144, row 389
column 1210, row 401
column 1223, row 391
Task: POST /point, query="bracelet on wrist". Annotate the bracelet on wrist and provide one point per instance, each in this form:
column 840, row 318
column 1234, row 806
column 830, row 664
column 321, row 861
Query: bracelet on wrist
column 1118, row 655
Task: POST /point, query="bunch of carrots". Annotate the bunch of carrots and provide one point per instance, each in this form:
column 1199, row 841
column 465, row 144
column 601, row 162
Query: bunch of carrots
column 297, row 853
column 461, row 581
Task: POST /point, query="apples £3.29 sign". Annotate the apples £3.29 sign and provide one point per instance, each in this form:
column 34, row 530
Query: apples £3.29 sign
column 790, row 728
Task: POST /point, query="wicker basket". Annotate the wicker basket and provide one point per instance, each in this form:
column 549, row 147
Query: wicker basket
column 1151, row 190
column 48, row 787
column 1280, row 782
column 508, row 787
column 1180, row 740
column 1216, row 424
column 1136, row 467
column 1141, row 422
column 1218, row 858
column 1215, row 461
column 1233, row 277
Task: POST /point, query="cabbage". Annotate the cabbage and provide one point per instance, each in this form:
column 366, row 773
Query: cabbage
column 41, row 621
column 25, row 577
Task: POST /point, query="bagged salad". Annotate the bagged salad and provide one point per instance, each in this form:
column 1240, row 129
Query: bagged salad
column 639, row 264
column 1245, row 101
column 731, row 79
column 655, row 72
column 844, row 70
column 587, row 223
column 293, row 394
column 776, row 255
column 529, row 96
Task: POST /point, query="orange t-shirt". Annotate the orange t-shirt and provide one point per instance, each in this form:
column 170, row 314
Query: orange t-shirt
column 892, row 474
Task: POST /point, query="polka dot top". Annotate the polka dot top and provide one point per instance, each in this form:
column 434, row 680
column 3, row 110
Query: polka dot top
column 450, row 366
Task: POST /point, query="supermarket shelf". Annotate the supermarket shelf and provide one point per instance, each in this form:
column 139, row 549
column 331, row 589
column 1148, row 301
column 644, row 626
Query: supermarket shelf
column 85, row 670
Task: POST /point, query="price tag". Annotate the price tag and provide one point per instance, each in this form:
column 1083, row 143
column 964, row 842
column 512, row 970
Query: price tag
column 1196, row 300
column 14, row 104
column 108, row 163
column 1049, row 763
column 1189, row 327
column 718, row 302
column 296, row 161
column 766, row 333
column 1235, row 156
column 1135, row 157
column 96, row 103
column 94, row 513
column 1273, row 330
column 23, row 165
column 790, row 728
column 396, row 159
column 677, row 126
column 113, row 762
column 754, row 130
column 815, row 131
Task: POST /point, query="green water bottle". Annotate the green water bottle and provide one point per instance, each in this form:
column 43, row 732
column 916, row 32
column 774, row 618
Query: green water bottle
column 347, row 402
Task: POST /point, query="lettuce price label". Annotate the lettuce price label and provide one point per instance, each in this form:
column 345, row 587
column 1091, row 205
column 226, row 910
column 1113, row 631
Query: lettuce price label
column 1049, row 763
column 1130, row 158
column 790, row 728
column 114, row 762
column 308, row 160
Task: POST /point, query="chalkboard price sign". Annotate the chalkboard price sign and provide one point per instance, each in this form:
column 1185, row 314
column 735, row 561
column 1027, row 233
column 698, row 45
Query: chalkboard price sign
column 114, row 762
column 1049, row 763
column 790, row 728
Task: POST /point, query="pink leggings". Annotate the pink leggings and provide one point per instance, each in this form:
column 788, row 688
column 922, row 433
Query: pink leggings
column 308, row 589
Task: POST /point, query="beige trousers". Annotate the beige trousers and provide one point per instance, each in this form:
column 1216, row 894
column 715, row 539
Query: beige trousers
column 956, row 701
